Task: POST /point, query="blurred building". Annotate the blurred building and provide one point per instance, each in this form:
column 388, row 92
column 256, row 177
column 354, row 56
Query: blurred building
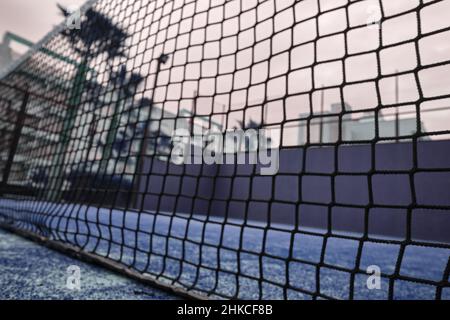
column 7, row 54
column 355, row 126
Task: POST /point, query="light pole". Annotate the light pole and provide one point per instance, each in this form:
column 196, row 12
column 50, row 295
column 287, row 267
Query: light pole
column 322, row 101
column 162, row 59
column 397, row 116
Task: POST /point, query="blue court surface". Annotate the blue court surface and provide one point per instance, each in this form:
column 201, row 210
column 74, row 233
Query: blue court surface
column 31, row 271
column 127, row 237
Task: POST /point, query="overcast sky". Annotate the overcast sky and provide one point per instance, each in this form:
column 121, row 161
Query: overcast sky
column 31, row 19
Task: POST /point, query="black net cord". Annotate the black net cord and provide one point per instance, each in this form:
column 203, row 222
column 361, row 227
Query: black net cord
column 351, row 95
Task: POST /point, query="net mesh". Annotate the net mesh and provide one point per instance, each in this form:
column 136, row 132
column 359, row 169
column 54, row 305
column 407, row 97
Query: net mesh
column 352, row 94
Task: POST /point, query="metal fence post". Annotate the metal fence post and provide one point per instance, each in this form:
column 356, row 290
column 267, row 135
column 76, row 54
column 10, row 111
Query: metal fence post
column 15, row 141
column 54, row 192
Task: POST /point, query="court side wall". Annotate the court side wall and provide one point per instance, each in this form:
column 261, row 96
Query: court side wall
column 318, row 188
